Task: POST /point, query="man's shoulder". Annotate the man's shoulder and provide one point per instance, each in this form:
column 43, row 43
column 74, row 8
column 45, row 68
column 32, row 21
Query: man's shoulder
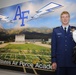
column 73, row 26
column 57, row 27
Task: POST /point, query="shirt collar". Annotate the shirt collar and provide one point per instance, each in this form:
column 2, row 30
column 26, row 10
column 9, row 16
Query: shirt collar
column 66, row 27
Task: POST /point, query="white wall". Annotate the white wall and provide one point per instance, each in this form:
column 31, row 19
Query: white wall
column 19, row 38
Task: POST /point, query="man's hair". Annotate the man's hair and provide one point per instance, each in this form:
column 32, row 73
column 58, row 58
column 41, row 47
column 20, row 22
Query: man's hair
column 65, row 12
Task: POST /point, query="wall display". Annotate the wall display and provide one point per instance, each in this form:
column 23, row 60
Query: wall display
column 25, row 32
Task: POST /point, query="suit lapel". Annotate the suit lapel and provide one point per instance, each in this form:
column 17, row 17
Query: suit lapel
column 62, row 30
column 69, row 28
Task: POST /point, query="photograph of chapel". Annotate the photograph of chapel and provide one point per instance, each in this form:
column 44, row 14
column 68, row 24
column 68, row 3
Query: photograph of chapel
column 29, row 46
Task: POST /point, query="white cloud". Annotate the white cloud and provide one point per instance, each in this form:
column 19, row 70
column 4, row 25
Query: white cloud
column 67, row 6
column 1, row 26
column 73, row 24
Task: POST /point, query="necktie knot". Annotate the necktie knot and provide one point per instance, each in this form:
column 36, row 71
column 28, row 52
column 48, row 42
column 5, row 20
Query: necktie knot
column 65, row 29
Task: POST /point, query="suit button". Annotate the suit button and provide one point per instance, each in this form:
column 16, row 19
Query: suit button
column 65, row 45
column 65, row 49
column 65, row 40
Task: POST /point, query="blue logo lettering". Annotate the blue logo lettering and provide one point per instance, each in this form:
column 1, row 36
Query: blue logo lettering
column 21, row 15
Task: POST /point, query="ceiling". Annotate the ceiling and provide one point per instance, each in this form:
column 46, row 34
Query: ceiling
column 6, row 3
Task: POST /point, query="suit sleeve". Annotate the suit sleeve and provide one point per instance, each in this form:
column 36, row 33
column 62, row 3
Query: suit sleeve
column 53, row 46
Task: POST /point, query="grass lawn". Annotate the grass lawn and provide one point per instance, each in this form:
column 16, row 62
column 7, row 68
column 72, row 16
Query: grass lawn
column 25, row 46
column 26, row 52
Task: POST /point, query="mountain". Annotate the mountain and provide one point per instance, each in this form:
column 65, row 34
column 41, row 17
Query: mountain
column 30, row 33
column 23, row 30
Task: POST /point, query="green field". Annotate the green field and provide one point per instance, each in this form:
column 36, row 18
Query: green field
column 29, row 53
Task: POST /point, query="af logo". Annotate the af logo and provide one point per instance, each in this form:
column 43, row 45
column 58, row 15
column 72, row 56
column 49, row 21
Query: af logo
column 21, row 15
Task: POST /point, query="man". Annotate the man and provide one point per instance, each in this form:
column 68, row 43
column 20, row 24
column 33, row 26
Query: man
column 62, row 47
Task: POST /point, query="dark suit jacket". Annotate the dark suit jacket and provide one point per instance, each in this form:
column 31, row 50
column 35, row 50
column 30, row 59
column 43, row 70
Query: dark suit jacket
column 62, row 47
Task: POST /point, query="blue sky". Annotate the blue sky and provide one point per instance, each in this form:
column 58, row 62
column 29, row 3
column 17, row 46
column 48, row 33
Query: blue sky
column 50, row 20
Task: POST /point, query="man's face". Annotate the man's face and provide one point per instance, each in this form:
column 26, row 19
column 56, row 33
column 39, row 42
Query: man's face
column 65, row 19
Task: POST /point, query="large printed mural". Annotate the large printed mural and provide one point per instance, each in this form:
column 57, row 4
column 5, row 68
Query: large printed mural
column 25, row 32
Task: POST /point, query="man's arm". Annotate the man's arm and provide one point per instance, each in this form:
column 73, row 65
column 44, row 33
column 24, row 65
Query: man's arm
column 53, row 46
column 53, row 50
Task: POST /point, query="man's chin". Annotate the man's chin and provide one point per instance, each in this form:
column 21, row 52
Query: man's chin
column 65, row 23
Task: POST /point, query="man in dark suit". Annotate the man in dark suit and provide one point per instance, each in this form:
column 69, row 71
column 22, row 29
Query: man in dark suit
column 62, row 47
